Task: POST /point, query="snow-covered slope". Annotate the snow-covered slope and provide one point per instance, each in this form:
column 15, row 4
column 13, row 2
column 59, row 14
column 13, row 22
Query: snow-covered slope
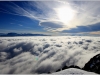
column 75, row 72
column 45, row 54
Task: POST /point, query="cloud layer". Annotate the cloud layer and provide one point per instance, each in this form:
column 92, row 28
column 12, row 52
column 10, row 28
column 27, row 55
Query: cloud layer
column 45, row 54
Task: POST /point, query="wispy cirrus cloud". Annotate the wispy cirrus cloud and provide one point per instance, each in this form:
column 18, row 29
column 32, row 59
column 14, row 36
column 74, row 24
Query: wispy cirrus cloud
column 86, row 13
column 20, row 24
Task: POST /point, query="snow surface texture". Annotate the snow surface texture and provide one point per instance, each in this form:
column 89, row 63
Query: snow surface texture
column 45, row 54
column 74, row 71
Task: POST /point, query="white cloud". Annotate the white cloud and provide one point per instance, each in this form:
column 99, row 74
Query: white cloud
column 3, row 56
column 17, row 50
column 87, row 13
column 20, row 25
column 72, row 71
column 46, row 12
column 45, row 54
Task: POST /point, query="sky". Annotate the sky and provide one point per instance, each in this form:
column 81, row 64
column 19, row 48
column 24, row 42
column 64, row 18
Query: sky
column 59, row 17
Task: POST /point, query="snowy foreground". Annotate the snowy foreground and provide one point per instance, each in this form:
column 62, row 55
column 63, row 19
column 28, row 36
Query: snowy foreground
column 43, row 54
column 75, row 71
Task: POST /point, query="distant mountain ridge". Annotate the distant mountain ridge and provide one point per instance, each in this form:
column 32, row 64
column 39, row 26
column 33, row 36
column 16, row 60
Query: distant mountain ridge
column 22, row 34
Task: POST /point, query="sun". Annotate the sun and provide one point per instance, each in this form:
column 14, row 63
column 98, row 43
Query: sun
column 65, row 14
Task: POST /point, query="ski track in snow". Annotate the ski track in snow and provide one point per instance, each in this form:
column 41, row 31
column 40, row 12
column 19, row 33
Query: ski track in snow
column 42, row 54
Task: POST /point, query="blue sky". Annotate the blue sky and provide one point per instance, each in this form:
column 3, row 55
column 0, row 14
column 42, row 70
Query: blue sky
column 50, row 17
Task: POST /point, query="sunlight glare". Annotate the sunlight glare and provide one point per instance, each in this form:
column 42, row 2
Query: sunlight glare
column 65, row 14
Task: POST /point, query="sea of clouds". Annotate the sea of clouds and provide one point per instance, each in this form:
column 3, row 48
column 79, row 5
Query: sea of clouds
column 43, row 54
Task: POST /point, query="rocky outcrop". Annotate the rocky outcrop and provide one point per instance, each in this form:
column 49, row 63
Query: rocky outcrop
column 93, row 65
column 66, row 67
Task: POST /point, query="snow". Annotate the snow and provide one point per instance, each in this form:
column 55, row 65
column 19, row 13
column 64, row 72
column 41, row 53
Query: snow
column 43, row 54
column 75, row 72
